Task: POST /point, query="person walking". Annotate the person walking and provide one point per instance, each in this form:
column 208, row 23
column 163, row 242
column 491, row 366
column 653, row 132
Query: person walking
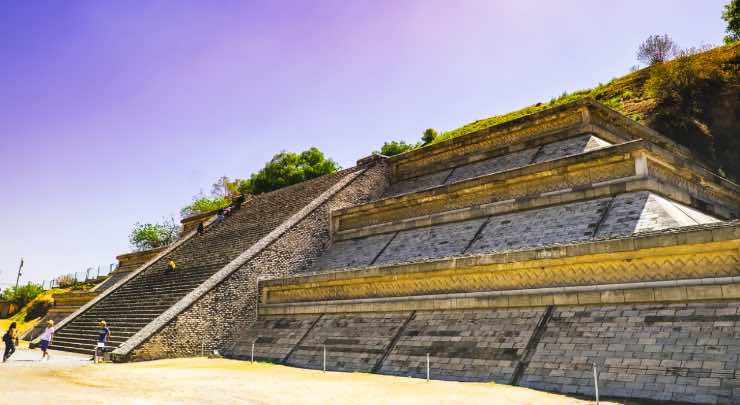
column 46, row 339
column 103, row 337
column 10, row 338
column 201, row 229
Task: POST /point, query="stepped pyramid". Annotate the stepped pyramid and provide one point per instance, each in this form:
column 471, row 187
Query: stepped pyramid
column 523, row 254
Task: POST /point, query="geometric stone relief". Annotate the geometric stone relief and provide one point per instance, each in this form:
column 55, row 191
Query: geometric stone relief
column 492, row 278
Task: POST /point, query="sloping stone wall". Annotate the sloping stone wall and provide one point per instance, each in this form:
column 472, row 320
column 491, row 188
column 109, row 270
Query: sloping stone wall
column 470, row 345
column 353, row 342
column 538, row 154
column 274, row 338
column 623, row 215
column 670, row 352
column 213, row 320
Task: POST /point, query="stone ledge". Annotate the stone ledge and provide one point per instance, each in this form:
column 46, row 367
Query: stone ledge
column 569, row 195
column 692, row 252
column 628, row 160
column 585, row 113
column 723, row 288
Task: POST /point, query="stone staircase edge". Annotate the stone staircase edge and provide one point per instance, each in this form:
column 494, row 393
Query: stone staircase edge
column 193, row 296
column 130, row 276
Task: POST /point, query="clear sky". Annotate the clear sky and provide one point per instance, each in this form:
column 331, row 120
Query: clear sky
column 118, row 112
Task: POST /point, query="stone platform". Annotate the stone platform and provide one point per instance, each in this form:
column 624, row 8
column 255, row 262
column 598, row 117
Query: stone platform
column 525, row 254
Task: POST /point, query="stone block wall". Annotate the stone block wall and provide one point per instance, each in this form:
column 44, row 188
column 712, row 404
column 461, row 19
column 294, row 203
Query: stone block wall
column 468, row 345
column 353, row 342
column 273, row 337
column 538, row 154
column 623, row 215
column 671, row 352
column 214, row 320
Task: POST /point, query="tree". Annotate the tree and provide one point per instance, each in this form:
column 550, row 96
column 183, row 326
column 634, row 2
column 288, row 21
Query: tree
column 202, row 204
column 21, row 295
column 287, row 168
column 731, row 15
column 656, row 49
column 154, row 235
column 428, row 136
column 395, row 147
column 225, row 187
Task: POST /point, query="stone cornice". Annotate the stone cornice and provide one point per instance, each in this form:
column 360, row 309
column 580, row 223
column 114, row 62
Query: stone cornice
column 678, row 291
column 684, row 253
column 632, row 160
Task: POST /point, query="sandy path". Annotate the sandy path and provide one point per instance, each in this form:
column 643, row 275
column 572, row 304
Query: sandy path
column 71, row 379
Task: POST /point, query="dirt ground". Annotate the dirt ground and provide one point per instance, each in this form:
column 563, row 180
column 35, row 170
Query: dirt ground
column 71, row 379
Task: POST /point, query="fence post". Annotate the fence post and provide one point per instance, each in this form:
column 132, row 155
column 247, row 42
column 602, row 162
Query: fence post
column 253, row 351
column 596, row 384
column 324, row 357
column 98, row 276
column 427, row 367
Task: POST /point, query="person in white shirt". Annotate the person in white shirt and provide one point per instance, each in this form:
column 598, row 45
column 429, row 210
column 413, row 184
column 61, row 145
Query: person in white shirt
column 46, row 339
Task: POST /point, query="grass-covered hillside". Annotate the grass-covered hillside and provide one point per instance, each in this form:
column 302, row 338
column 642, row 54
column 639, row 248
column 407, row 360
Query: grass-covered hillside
column 692, row 99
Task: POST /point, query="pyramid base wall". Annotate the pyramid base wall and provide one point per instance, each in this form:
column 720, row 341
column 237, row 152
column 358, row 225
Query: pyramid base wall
column 661, row 351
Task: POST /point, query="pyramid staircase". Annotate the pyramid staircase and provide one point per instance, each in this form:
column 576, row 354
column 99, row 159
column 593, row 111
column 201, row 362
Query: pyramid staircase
column 138, row 300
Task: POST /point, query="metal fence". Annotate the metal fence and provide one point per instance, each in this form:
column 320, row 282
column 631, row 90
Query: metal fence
column 89, row 274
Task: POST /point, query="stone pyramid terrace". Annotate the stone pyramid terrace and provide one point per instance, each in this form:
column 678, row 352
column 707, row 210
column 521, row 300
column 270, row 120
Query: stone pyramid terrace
column 523, row 254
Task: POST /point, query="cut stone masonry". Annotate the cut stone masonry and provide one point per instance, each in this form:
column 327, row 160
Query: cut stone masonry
column 522, row 253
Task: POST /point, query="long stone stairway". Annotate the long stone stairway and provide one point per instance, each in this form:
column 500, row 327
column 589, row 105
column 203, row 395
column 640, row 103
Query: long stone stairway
column 135, row 304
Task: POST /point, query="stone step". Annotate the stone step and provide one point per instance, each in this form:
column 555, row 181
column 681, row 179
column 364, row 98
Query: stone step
column 149, row 291
column 121, row 331
column 86, row 349
column 163, row 284
column 89, row 339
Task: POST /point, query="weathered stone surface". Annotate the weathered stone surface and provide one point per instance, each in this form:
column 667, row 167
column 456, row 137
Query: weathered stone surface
column 568, row 147
column 493, row 165
column 471, row 345
column 550, row 151
column 216, row 319
column 354, row 252
column 273, row 338
column 353, row 342
column 559, row 224
column 417, row 183
column 644, row 211
column 676, row 352
column 430, row 242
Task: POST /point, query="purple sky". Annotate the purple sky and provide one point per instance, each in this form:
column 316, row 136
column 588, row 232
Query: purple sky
column 118, row 112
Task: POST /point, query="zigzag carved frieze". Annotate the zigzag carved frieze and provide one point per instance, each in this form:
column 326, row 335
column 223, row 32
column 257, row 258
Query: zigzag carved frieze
column 491, row 192
column 694, row 186
column 509, row 277
column 493, row 140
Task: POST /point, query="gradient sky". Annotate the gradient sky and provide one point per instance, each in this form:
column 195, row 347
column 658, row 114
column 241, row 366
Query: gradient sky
column 118, row 112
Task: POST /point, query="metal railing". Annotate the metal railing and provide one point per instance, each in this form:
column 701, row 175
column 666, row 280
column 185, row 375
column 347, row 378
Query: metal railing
column 92, row 273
